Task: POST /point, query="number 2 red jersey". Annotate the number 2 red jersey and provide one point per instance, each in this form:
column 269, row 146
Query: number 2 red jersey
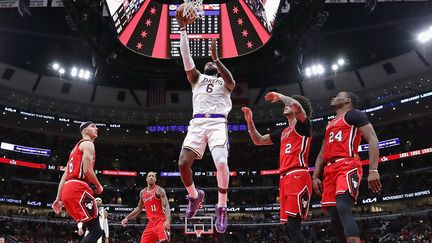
column 75, row 165
column 294, row 144
column 341, row 138
column 294, row 150
column 152, row 204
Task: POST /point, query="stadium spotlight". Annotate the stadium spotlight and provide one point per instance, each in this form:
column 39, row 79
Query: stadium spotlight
column 87, row 75
column 341, row 62
column 335, row 67
column 56, row 66
column 320, row 69
column 425, row 36
column 81, row 73
column 314, row 70
column 61, row 71
column 74, row 72
column 308, row 72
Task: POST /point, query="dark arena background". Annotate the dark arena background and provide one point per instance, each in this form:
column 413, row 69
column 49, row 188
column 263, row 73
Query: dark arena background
column 118, row 63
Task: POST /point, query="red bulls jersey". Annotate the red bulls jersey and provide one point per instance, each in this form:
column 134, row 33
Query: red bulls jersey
column 342, row 136
column 75, row 165
column 294, row 146
column 152, row 204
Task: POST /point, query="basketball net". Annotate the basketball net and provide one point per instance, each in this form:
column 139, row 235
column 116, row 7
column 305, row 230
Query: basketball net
column 198, row 232
column 193, row 9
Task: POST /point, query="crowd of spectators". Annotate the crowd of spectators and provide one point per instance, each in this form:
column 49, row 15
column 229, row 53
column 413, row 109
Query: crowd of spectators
column 244, row 155
column 401, row 176
column 394, row 178
column 404, row 228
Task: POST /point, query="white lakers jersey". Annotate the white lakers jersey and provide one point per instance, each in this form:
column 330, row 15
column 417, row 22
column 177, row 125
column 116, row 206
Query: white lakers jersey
column 211, row 96
column 101, row 216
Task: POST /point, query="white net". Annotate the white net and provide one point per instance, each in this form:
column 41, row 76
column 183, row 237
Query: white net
column 193, row 9
column 199, row 229
column 198, row 233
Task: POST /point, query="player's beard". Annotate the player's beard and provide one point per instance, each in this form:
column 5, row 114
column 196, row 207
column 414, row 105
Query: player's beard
column 212, row 71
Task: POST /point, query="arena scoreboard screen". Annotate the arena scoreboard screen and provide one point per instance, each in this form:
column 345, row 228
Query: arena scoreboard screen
column 150, row 28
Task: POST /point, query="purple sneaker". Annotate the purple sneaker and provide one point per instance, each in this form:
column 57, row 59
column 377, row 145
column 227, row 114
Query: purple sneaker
column 221, row 219
column 194, row 204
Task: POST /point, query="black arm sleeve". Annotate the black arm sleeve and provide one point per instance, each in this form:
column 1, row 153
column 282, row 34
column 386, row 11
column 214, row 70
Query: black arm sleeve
column 356, row 118
column 304, row 128
column 275, row 136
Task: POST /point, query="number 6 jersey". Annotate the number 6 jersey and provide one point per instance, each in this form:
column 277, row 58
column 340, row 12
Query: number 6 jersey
column 75, row 166
column 211, row 96
column 342, row 136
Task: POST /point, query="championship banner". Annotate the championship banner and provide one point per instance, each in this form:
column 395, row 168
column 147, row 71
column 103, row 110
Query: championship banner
column 57, row 3
column 14, row 3
column 240, row 94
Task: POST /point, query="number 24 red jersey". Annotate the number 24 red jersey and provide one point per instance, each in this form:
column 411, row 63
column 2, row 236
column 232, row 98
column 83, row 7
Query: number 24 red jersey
column 341, row 139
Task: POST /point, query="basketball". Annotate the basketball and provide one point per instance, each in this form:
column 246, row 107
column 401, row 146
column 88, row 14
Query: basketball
column 187, row 19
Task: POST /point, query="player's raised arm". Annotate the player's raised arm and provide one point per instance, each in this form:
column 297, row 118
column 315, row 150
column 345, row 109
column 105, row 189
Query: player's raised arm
column 295, row 106
column 223, row 71
column 256, row 137
column 137, row 210
column 165, row 206
column 188, row 63
column 88, row 150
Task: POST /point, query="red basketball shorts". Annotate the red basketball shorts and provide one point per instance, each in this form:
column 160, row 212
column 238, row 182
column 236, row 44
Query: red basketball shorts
column 155, row 232
column 343, row 175
column 77, row 198
column 294, row 194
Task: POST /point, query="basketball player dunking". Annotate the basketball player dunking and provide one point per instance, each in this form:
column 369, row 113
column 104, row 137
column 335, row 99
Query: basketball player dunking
column 74, row 192
column 211, row 105
column 295, row 187
column 342, row 166
column 153, row 198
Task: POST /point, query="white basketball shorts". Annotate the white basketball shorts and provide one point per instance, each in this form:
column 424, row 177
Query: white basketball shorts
column 203, row 131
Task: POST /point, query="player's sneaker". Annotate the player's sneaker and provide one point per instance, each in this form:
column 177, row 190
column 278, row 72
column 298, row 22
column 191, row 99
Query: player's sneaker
column 221, row 219
column 194, row 204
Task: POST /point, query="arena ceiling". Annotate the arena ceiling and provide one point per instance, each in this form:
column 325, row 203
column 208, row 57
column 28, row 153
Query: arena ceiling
column 349, row 30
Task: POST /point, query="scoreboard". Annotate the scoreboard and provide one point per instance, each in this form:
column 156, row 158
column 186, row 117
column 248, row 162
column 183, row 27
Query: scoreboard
column 200, row 33
column 149, row 27
column 123, row 13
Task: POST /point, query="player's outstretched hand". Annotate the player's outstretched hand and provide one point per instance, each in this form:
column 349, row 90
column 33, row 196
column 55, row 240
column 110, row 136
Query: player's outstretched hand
column 124, row 222
column 272, row 96
column 180, row 19
column 317, row 186
column 247, row 114
column 213, row 50
column 57, row 206
column 80, row 232
column 99, row 189
column 374, row 182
